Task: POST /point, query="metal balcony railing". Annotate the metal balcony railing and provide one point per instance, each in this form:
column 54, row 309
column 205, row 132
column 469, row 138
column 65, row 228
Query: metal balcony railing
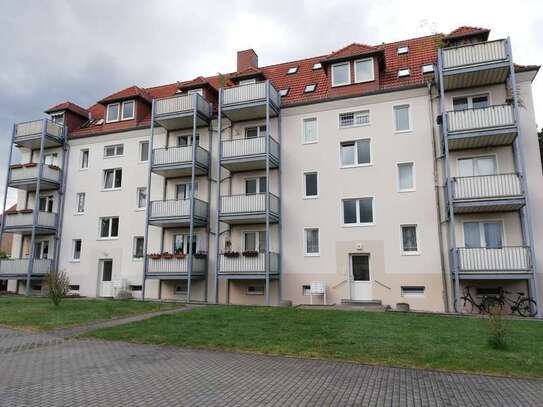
column 246, row 265
column 33, row 129
column 247, row 147
column 20, row 266
column 179, row 156
column 481, row 118
column 487, row 186
column 504, row 259
column 248, row 204
column 182, row 104
column 249, row 93
column 25, row 172
column 177, row 209
column 25, row 218
column 474, row 54
column 175, row 265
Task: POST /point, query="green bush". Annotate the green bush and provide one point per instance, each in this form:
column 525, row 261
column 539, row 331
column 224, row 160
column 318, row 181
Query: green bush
column 57, row 285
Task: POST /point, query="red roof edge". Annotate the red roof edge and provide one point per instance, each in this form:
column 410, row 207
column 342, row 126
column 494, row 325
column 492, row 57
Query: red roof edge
column 72, row 107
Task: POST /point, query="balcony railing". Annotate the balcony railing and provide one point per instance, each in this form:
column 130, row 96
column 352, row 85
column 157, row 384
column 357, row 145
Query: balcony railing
column 20, row 266
column 474, row 54
column 249, row 93
column 177, row 208
column 26, row 172
column 179, row 156
column 504, row 259
column 247, row 147
column 33, row 129
column 25, row 218
column 182, row 104
column 248, row 265
column 177, row 265
column 482, row 118
column 248, row 204
column 487, row 186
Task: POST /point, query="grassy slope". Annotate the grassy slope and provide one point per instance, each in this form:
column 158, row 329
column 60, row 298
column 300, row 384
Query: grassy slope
column 41, row 314
column 428, row 341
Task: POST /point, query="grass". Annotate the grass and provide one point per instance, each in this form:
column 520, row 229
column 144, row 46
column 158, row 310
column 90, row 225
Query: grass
column 408, row 340
column 40, row 313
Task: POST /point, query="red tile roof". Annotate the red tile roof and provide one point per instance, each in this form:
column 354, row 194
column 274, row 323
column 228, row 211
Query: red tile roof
column 465, row 30
column 352, row 50
column 68, row 106
column 131, row 92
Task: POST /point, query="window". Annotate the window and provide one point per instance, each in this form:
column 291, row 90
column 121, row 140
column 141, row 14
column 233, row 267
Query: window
column 310, row 88
column 403, row 50
column 198, row 91
column 255, row 185
column 84, row 163
column 74, row 287
column 113, row 151
column 254, row 241
column 76, row 254
column 341, row 74
column 401, row 118
column 483, row 234
column 109, row 227
column 306, row 290
column 402, row 73
column 317, row 65
column 113, row 178
column 363, row 70
column 283, row 92
column 183, row 141
column 311, row 184
column 144, row 151
column 429, row 68
column 409, row 239
column 181, row 244
column 141, row 197
column 41, row 250
column 255, row 131
column 477, row 166
column 406, row 177
column 359, row 118
column 58, row 118
column 413, row 291
column 255, row 290
column 247, row 81
column 311, row 242
column 135, row 287
column 181, row 288
column 358, row 211
column 112, row 114
column 138, row 247
column 355, row 153
column 310, row 130
column 182, row 191
column 470, row 102
column 128, row 110
column 50, row 159
column 292, row 70
column 46, row 203
column 80, row 199
column 360, row 267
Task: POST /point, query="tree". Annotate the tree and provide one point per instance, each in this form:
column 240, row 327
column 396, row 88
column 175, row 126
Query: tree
column 57, row 285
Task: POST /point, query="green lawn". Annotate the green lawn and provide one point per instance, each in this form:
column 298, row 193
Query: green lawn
column 41, row 314
column 411, row 340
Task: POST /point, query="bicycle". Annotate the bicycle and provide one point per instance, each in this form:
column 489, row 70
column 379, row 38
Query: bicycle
column 523, row 305
column 469, row 304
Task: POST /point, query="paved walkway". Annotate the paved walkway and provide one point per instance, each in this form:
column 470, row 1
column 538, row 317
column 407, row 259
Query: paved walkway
column 51, row 370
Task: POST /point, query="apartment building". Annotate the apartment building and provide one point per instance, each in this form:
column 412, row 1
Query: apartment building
column 402, row 172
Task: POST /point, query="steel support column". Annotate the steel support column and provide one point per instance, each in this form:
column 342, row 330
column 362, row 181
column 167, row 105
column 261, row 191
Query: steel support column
column 62, row 198
column 267, row 141
column 280, row 224
column 8, row 174
column 192, row 179
column 217, row 219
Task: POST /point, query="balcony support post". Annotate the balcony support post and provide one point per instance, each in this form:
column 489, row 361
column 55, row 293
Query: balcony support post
column 148, row 204
column 36, row 210
column 525, row 211
column 8, row 175
column 62, row 198
column 267, row 140
column 280, row 215
column 208, row 226
column 192, row 179
column 217, row 214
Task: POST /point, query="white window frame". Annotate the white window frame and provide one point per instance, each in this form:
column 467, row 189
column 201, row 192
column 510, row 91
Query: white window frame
column 187, row 185
column 244, row 82
column 358, row 224
column 199, row 91
column 470, row 97
column 116, row 119
column 257, row 178
column 427, row 68
column 404, row 72
column 135, row 245
column 77, row 199
column 293, row 69
column 113, row 188
column 409, row 115
column 356, row 80
column 306, row 254
column 260, row 130
column 308, row 118
column 413, row 173
column 74, row 241
column 356, row 164
column 108, row 237
column 81, row 162
column 126, row 102
column 310, row 88
column 116, row 150
column 355, row 113
column 185, row 237
column 481, row 223
column 304, row 182
column 413, row 294
column 141, row 151
column 475, row 157
column 54, row 118
column 316, row 65
column 402, row 50
column 257, row 242
column 138, row 191
column 417, row 229
column 284, row 92
column 334, row 84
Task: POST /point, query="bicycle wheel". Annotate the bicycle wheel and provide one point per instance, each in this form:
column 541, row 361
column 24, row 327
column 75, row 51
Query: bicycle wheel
column 492, row 305
column 463, row 306
column 527, row 307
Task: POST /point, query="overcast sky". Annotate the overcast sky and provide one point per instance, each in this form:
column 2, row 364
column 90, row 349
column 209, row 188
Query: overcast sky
column 81, row 51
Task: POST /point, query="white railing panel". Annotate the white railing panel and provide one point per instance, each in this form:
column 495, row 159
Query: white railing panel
column 24, row 173
column 242, row 264
column 248, row 203
column 494, row 260
column 244, row 93
column 174, row 104
column 243, row 147
column 172, row 155
column 177, row 208
column 46, row 219
column 487, row 186
column 474, row 54
column 20, row 266
column 473, row 119
column 34, row 128
column 176, row 265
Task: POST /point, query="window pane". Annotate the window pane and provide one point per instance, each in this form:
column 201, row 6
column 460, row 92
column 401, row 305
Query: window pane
column 493, row 235
column 262, row 184
column 81, row 202
column 485, row 166
column 340, row 74
column 119, row 150
column 262, row 241
column 178, row 245
column 113, row 112
column 77, row 249
column 104, row 227
column 479, row 101
column 142, row 197
column 349, row 211
column 347, row 153
column 363, row 149
column 472, row 234
column 465, row 167
column 406, row 176
column 361, row 268
column 364, row 70
column 85, row 159
column 401, row 117
column 144, row 153
column 366, row 210
column 311, row 184
column 128, row 110
column 409, row 238
column 250, row 241
column 251, row 132
column 138, row 247
column 118, row 178
column 312, row 240
column 107, row 270
column 460, row 103
column 114, row 227
column 250, row 186
column 310, row 129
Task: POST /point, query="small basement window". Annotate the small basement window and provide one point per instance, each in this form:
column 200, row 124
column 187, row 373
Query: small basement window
column 255, row 290
column 404, row 72
column 135, row 287
column 429, row 68
column 306, row 290
column 310, row 88
column 292, row 70
column 413, row 291
column 317, row 65
column 403, row 50
column 74, row 288
column 284, row 92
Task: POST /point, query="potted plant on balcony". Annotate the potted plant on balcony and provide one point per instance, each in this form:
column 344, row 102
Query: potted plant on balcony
column 231, row 254
column 155, row 256
column 27, row 210
column 16, row 166
column 167, row 256
column 12, row 211
column 200, row 255
column 179, row 255
column 250, row 253
column 54, row 167
column 30, row 165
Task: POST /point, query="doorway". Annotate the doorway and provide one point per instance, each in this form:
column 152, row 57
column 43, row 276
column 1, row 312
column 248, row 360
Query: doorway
column 361, row 286
column 106, row 277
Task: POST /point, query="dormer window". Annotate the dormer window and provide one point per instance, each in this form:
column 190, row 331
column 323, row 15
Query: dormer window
column 310, row 88
column 128, row 110
column 317, row 65
column 58, row 118
column 363, row 70
column 341, row 74
column 199, row 91
column 403, row 50
column 292, row 70
column 284, row 92
column 247, row 81
column 428, row 68
column 402, row 73
column 113, row 112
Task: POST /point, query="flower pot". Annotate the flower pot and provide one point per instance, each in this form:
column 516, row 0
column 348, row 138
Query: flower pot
column 30, row 165
column 26, row 211
column 250, row 253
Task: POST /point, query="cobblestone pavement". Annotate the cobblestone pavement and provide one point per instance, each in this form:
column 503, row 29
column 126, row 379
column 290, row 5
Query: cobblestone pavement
column 49, row 370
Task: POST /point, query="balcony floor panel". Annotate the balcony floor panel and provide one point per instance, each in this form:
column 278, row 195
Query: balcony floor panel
column 40, row 230
column 238, row 164
column 498, row 275
column 175, row 276
column 181, row 120
column 247, row 219
column 181, row 222
column 179, row 170
column 483, row 138
column 488, row 205
column 33, row 142
column 473, row 76
column 248, row 111
column 20, row 276
column 247, row 275
column 31, row 184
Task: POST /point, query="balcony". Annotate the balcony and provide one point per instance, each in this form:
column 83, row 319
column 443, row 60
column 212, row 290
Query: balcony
column 176, row 213
column 246, row 209
column 177, row 161
column 175, row 268
column 28, row 134
column 248, row 154
column 487, row 193
column 18, row 268
column 473, row 65
column 242, row 267
column 177, row 112
column 504, row 262
column 248, row 102
column 26, row 177
column 482, row 127
column 21, row 222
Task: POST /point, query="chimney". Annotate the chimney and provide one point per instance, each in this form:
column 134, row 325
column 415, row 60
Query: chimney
column 247, row 59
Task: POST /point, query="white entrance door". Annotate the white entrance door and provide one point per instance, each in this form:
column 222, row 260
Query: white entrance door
column 106, row 284
column 360, row 278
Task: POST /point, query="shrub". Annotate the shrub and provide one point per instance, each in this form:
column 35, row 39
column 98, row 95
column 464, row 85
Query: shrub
column 57, row 285
column 498, row 329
